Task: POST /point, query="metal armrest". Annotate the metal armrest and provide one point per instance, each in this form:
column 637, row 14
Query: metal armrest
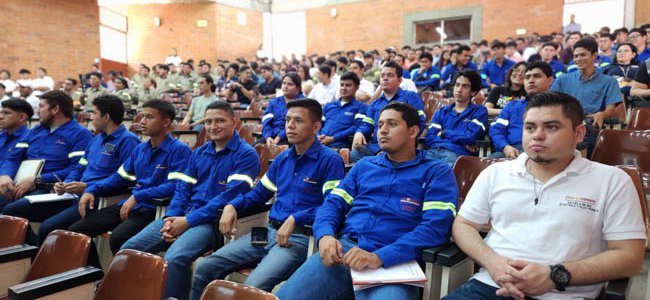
column 348, row 167
column 56, row 283
column 13, row 253
column 616, row 289
column 161, row 206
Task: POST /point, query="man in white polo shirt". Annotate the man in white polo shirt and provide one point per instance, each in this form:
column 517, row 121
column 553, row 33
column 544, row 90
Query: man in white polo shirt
column 561, row 225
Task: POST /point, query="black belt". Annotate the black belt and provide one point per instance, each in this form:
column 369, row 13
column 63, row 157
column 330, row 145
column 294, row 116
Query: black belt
column 298, row 230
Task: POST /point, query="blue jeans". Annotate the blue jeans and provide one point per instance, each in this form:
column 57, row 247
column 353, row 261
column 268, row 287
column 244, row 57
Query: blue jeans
column 339, row 145
column 445, row 155
column 501, row 155
column 275, row 263
column 477, row 290
column 308, row 283
column 357, row 154
column 180, row 254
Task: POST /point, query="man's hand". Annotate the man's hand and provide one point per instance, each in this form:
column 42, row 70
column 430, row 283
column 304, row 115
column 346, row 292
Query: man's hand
column 175, row 226
column 530, row 278
column 270, row 141
column 330, row 250
column 276, row 141
column 599, row 119
column 510, row 152
column 228, row 221
column 87, row 199
column 500, row 270
column 59, row 188
column 285, row 231
column 358, row 259
column 127, row 207
column 327, row 140
column 75, row 187
column 24, row 186
column 359, row 140
column 7, row 187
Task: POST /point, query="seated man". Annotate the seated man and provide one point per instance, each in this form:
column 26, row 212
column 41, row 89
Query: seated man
column 13, row 122
column 494, row 71
column 456, row 127
column 271, row 84
column 104, row 155
column 640, row 90
column 459, row 62
column 325, row 90
column 598, row 93
column 300, row 177
column 366, row 88
column 186, row 231
column 152, row 168
column 555, row 234
column 386, row 220
column 426, row 77
column 194, row 116
column 59, row 140
column 365, row 140
column 506, row 130
column 342, row 118
column 245, row 88
column 273, row 120
column 548, row 54
column 94, row 91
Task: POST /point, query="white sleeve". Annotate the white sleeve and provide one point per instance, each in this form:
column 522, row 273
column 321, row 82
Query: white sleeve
column 623, row 219
column 476, row 207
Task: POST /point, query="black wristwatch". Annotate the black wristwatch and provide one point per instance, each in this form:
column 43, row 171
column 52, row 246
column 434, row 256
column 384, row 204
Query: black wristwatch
column 560, row 277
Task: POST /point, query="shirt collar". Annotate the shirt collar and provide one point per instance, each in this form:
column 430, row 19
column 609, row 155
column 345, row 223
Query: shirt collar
column 592, row 77
column 232, row 145
column 19, row 131
column 384, row 161
column 395, row 97
column 578, row 165
column 165, row 144
column 312, row 152
column 64, row 125
column 342, row 103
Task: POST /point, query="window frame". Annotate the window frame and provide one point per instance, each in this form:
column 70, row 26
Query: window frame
column 474, row 13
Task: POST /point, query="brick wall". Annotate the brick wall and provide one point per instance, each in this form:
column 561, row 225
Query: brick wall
column 222, row 38
column 61, row 36
column 379, row 23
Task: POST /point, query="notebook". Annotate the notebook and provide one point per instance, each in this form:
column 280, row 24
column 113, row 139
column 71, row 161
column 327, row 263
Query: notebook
column 29, row 167
column 50, row 198
column 408, row 273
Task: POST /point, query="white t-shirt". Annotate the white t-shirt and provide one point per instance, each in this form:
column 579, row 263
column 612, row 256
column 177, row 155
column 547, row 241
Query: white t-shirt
column 46, row 81
column 175, row 60
column 408, row 85
column 324, row 93
column 9, row 84
column 579, row 210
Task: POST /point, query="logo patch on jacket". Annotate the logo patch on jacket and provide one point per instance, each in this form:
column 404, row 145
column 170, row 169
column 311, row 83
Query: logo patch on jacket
column 409, row 204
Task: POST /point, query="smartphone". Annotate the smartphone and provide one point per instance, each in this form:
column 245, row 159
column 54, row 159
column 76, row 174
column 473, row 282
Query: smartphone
column 259, row 236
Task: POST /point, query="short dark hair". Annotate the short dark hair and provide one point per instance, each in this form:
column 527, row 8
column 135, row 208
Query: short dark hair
column 112, row 106
column 645, row 26
column 143, row 66
column 394, row 65
column 266, row 67
column 43, row 69
column 164, row 67
column 330, row 63
column 637, row 30
column 19, row 105
column 24, row 71
column 607, row 35
column 462, row 48
column 221, row 105
column 552, row 44
column 543, row 66
column 74, row 81
column 511, row 44
column 473, row 77
column 314, row 108
column 295, row 78
column 6, row 71
column 588, row 44
column 426, row 55
column 351, row 76
column 343, row 60
column 165, row 108
column 368, row 55
column 358, row 63
column 60, row 99
column 498, row 44
column 325, row 69
column 124, row 82
column 571, row 107
column 96, row 74
column 408, row 112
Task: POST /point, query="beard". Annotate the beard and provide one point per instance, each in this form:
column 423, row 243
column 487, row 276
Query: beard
column 542, row 160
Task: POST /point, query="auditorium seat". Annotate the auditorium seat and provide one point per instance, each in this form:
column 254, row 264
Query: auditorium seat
column 624, row 147
column 267, row 153
column 639, row 119
column 13, row 230
column 227, row 290
column 134, row 275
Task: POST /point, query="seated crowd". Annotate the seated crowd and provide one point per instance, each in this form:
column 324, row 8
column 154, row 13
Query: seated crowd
column 533, row 101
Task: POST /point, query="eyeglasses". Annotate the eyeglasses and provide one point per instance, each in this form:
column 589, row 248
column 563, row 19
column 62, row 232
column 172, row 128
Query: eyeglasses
column 633, row 37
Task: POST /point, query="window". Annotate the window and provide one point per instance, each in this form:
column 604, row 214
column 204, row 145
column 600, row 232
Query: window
column 440, row 31
column 112, row 35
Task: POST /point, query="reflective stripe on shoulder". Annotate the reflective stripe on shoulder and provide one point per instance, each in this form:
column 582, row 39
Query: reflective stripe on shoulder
column 124, row 174
column 181, row 176
column 330, row 185
column 22, row 145
column 241, row 177
column 343, row 194
column 266, row 182
column 427, row 205
column 76, row 153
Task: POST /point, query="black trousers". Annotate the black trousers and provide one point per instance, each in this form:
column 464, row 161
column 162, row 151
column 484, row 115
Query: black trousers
column 108, row 219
